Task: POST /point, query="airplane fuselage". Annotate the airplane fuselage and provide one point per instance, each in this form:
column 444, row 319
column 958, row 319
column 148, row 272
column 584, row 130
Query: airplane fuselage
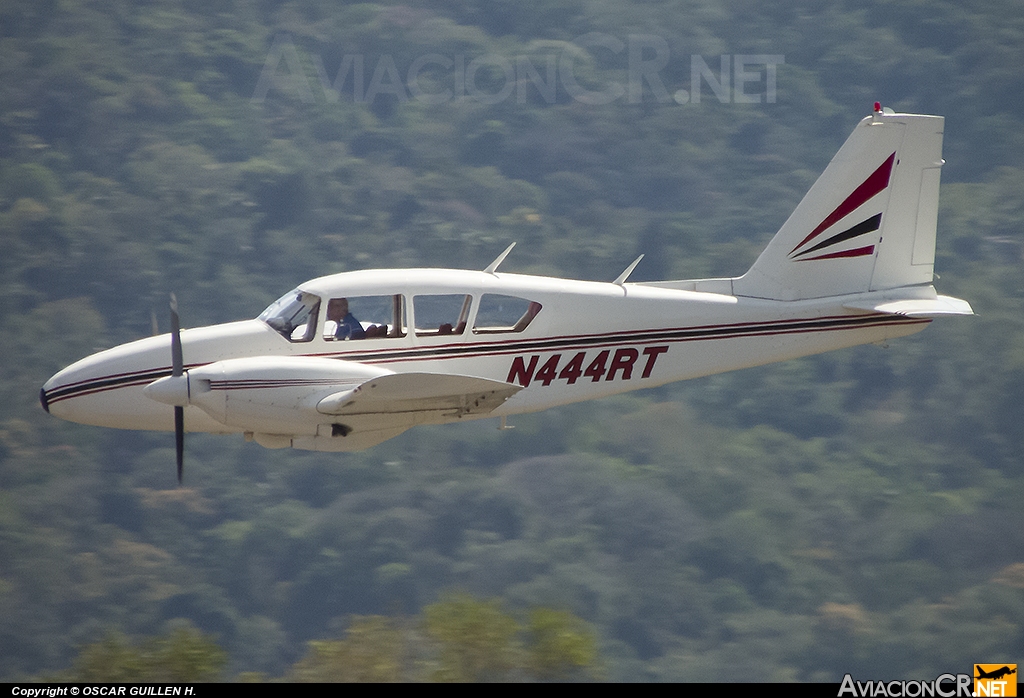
column 588, row 340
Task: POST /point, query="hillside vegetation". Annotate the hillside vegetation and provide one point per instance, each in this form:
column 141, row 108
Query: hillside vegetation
column 855, row 512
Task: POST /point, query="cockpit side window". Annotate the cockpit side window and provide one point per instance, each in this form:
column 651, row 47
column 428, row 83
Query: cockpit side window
column 441, row 314
column 365, row 317
column 293, row 315
column 499, row 313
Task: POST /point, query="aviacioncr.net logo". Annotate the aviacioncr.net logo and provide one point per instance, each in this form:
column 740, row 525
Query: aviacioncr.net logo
column 995, row 680
column 944, row 686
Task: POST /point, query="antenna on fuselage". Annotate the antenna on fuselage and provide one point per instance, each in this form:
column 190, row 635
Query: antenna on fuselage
column 493, row 266
column 629, row 270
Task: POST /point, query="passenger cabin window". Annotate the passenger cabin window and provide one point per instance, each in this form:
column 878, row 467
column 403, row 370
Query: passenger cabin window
column 365, row 317
column 500, row 313
column 293, row 315
column 441, row 314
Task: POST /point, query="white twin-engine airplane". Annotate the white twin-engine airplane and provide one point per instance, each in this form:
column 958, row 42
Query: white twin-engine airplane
column 347, row 361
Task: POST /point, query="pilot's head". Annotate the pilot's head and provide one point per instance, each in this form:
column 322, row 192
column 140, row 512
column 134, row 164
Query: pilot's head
column 337, row 309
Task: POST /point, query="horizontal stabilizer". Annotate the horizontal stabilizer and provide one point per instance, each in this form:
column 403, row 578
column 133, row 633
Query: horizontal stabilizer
column 917, row 307
column 419, row 392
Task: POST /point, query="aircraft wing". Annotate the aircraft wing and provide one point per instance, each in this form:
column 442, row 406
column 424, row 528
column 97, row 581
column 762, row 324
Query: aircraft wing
column 419, row 392
column 917, row 307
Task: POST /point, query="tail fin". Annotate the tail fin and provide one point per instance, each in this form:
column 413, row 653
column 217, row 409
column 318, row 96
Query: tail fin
column 867, row 224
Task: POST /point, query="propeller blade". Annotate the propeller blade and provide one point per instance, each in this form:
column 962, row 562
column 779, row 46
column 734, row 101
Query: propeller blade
column 177, row 369
column 179, row 438
column 176, row 360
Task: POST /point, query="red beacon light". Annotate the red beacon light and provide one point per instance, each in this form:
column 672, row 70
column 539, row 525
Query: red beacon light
column 878, row 107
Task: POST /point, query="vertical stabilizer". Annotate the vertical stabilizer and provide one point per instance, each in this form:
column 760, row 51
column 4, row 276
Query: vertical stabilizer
column 867, row 224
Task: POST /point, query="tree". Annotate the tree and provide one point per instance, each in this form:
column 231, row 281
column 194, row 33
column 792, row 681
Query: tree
column 373, row 650
column 561, row 646
column 476, row 640
column 182, row 655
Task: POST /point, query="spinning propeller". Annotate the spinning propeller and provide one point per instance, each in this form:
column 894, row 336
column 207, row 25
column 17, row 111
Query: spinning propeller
column 177, row 369
column 174, row 389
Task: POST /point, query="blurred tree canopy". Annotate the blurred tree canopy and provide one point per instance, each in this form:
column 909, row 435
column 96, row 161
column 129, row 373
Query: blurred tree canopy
column 182, row 655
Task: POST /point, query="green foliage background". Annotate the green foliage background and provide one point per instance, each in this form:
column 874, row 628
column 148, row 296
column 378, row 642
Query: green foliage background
column 856, row 512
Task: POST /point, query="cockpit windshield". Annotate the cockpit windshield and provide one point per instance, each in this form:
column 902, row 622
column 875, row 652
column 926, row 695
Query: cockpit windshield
column 293, row 315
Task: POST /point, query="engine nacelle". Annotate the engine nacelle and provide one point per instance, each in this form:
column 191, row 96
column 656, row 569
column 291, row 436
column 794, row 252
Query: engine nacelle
column 273, row 394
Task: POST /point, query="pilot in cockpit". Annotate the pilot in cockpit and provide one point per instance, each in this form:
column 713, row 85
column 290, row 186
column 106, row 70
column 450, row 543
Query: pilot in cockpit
column 341, row 324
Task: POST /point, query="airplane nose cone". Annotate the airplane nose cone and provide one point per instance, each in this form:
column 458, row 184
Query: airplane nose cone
column 55, row 393
column 97, row 390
